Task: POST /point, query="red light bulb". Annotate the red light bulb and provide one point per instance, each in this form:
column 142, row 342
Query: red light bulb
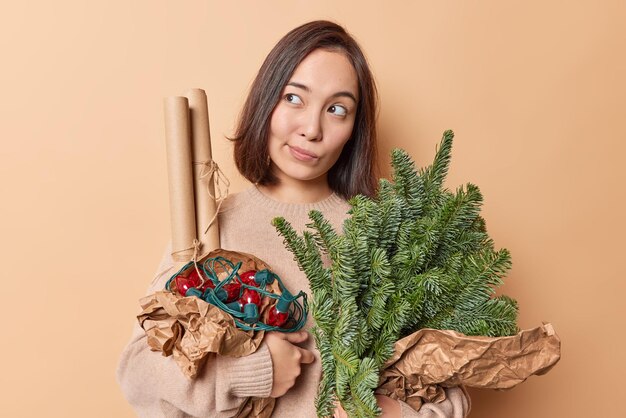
column 232, row 291
column 279, row 314
column 248, row 278
column 185, row 283
column 250, row 296
column 208, row 283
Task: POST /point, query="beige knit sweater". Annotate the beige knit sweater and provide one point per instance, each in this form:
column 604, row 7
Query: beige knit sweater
column 155, row 386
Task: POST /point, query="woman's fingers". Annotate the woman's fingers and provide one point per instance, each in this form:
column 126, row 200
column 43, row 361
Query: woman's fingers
column 295, row 337
column 307, row 356
column 287, row 359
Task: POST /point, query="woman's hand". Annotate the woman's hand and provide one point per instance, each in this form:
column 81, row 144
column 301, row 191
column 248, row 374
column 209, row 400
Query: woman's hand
column 286, row 359
column 391, row 408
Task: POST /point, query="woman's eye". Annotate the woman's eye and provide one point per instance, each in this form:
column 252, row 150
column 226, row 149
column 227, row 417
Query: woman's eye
column 338, row 110
column 293, row 98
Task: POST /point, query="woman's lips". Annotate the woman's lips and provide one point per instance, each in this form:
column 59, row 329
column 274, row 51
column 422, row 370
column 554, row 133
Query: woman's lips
column 302, row 155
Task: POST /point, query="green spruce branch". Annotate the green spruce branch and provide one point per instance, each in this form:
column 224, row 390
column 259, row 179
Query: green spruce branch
column 416, row 256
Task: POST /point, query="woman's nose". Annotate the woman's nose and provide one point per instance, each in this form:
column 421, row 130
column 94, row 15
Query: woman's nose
column 311, row 126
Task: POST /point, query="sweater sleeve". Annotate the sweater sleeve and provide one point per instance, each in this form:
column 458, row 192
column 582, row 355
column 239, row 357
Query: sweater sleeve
column 456, row 405
column 155, row 386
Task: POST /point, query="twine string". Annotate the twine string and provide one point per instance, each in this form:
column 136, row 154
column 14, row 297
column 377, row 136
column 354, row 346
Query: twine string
column 196, row 251
column 195, row 246
column 210, row 170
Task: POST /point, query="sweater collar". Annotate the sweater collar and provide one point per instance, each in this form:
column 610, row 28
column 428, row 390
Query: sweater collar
column 331, row 202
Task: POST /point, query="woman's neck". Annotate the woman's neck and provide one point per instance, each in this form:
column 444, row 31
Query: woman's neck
column 297, row 191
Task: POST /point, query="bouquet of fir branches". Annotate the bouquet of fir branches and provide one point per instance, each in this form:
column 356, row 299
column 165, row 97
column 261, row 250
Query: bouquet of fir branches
column 415, row 256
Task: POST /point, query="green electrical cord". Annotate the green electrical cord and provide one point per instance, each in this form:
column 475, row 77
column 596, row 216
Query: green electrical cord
column 298, row 310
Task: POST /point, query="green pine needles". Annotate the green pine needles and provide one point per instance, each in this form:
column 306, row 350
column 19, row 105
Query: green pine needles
column 416, row 256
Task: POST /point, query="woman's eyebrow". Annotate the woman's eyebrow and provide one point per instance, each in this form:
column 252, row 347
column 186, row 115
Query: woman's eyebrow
column 300, row 86
column 308, row 90
column 345, row 94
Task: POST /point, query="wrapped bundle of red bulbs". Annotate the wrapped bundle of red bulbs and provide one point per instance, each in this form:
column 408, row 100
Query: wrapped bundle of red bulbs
column 257, row 300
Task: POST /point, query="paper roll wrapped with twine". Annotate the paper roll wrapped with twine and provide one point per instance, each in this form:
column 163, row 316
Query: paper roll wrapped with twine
column 205, row 172
column 192, row 175
column 180, row 178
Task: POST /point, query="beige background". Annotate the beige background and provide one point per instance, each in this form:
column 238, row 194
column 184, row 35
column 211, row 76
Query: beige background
column 534, row 90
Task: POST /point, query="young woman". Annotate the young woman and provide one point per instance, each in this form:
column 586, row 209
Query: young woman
column 306, row 139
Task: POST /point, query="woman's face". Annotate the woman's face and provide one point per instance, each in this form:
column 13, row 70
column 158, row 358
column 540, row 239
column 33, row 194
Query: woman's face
column 314, row 117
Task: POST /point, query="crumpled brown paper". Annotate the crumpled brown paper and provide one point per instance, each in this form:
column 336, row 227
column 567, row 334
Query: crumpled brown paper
column 256, row 407
column 189, row 328
column 429, row 359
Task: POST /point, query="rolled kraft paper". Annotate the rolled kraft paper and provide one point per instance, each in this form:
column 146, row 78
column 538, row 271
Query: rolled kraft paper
column 204, row 186
column 180, row 177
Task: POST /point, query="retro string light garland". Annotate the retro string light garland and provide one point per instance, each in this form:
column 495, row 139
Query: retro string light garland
column 242, row 295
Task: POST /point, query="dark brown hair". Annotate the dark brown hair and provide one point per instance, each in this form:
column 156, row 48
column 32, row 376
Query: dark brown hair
column 355, row 170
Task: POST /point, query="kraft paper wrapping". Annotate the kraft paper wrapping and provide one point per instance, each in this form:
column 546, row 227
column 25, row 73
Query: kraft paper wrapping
column 204, row 185
column 428, row 360
column 189, row 329
column 257, row 407
column 180, row 177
